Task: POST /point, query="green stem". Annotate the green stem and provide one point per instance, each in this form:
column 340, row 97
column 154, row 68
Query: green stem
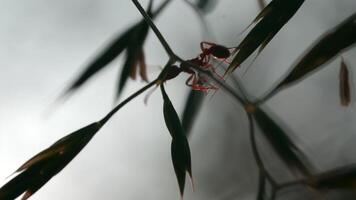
column 154, row 28
column 128, row 99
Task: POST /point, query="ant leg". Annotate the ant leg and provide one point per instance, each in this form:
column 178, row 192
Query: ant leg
column 211, row 67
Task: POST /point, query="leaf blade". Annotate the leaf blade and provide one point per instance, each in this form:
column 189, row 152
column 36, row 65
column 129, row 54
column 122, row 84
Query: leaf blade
column 37, row 171
column 180, row 149
column 272, row 19
column 289, row 153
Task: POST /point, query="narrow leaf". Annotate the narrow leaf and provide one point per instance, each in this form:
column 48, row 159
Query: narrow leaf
column 113, row 50
column 345, row 91
column 37, row 171
column 340, row 178
column 180, row 147
column 191, row 109
column 327, row 47
column 272, row 19
column 290, row 154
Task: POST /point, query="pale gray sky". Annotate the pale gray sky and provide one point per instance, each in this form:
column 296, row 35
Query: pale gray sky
column 45, row 44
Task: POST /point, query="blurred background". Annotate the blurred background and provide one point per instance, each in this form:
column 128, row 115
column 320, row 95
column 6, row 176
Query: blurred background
column 46, row 44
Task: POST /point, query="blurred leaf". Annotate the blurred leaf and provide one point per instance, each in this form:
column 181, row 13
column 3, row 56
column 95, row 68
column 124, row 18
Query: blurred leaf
column 191, row 109
column 341, row 178
column 206, row 5
column 270, row 20
column 327, row 47
column 180, row 147
column 132, row 40
column 290, row 154
column 261, row 4
column 345, row 92
column 37, row 171
column 133, row 54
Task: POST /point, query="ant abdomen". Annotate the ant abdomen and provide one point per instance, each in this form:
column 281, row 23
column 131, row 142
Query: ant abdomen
column 219, row 51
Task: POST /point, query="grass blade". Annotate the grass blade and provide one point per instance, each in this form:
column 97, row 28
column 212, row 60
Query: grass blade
column 289, row 153
column 37, row 171
column 327, row 47
column 180, row 147
column 270, row 20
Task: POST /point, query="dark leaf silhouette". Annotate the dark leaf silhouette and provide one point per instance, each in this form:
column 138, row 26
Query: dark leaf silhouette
column 191, row 109
column 291, row 155
column 270, row 20
column 340, row 178
column 327, row 47
column 180, row 147
column 345, row 91
column 37, row 171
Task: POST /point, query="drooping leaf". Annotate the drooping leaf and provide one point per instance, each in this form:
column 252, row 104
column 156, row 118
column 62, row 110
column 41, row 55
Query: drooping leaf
column 37, row 171
column 180, row 147
column 191, row 109
column 289, row 153
column 345, row 90
column 327, row 47
column 270, row 20
column 340, row 178
column 134, row 36
column 113, row 50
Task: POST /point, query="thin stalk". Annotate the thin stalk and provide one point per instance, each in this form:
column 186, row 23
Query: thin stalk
column 128, row 99
column 149, row 21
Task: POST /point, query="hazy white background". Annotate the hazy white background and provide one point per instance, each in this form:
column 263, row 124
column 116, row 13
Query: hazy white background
column 45, row 44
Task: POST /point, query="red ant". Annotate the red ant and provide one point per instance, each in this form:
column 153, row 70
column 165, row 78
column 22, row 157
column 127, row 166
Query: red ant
column 196, row 81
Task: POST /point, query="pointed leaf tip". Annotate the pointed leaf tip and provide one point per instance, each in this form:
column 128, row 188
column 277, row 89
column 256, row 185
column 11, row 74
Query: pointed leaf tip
column 37, row 171
column 180, row 150
column 270, row 21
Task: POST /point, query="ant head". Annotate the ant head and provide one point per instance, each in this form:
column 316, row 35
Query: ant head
column 219, row 51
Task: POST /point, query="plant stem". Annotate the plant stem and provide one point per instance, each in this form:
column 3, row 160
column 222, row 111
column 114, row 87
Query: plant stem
column 154, row 28
column 128, row 99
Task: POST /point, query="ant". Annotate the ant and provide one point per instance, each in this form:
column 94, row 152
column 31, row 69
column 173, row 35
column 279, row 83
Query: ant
column 196, row 81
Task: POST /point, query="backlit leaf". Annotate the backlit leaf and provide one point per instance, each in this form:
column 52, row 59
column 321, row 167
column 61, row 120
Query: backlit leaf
column 327, row 47
column 191, row 109
column 270, row 20
column 180, row 147
column 37, row 171
column 290, row 154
